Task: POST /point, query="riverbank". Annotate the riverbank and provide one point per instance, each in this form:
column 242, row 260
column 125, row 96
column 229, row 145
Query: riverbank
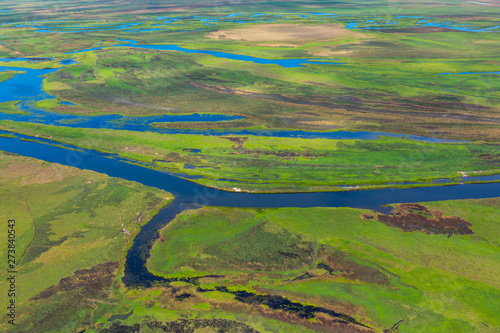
column 262, row 164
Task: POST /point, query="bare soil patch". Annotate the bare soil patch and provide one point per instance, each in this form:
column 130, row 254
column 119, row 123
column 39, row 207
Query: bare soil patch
column 284, row 32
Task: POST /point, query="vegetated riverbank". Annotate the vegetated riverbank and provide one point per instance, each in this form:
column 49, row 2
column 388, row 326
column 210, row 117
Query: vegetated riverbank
column 343, row 252
column 114, row 166
column 196, row 194
column 273, row 164
column 73, row 228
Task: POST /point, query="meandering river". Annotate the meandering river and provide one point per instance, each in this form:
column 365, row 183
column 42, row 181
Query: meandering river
column 190, row 195
column 26, row 87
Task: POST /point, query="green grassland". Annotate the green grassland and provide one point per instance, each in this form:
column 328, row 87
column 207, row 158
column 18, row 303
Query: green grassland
column 281, row 164
column 10, row 107
column 66, row 220
column 381, row 274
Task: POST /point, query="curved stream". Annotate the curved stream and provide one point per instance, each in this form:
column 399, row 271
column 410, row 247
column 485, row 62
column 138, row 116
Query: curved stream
column 189, row 195
column 26, row 87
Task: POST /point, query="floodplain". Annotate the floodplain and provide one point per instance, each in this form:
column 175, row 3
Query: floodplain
column 261, row 97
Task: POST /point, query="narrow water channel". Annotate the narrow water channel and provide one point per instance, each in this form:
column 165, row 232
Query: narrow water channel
column 190, row 195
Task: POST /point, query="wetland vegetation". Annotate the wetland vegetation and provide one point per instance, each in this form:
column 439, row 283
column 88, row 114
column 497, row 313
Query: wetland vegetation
column 264, row 164
column 263, row 92
column 344, row 260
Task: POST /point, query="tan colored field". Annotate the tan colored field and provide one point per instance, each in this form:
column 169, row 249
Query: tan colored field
column 284, row 32
column 35, row 172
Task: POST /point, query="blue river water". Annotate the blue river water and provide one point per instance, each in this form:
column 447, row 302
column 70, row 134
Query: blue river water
column 232, row 56
column 115, row 166
column 470, row 73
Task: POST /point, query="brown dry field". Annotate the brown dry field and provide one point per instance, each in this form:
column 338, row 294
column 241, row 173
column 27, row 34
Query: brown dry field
column 285, row 32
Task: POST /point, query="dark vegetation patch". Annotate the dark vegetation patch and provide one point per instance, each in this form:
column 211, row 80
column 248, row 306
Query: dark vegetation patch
column 300, row 311
column 182, row 297
column 121, row 316
column 54, row 314
column 73, row 300
column 238, row 140
column 281, row 153
column 372, row 43
column 394, row 327
column 342, row 264
column 152, row 200
column 257, row 249
column 184, row 326
column 416, row 217
column 490, row 157
column 418, row 30
column 304, row 276
column 205, row 125
column 89, row 281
